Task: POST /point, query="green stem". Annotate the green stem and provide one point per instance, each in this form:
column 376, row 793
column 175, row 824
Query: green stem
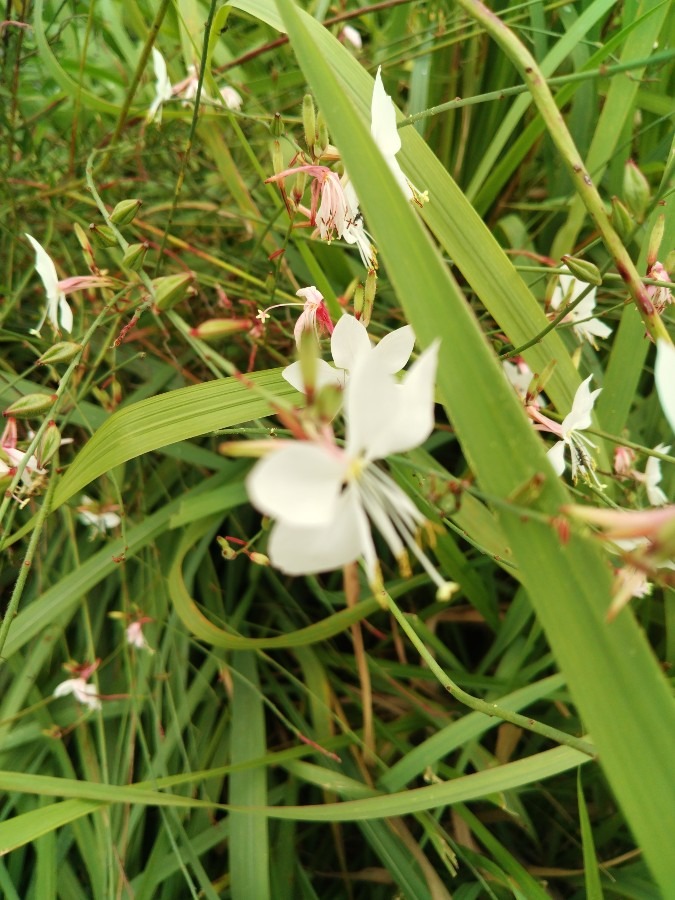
column 482, row 706
column 555, row 124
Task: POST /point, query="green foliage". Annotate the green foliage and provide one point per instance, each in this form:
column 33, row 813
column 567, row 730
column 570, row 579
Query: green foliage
column 310, row 737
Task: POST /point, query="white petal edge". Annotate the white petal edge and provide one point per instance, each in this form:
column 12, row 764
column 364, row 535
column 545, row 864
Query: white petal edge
column 348, row 341
column 556, row 456
column 664, row 375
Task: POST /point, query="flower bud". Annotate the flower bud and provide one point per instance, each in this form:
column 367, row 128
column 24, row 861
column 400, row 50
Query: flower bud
column 655, row 239
column 309, row 122
column 621, row 219
column 359, row 296
column 277, row 125
column 169, row 289
column 369, row 296
column 85, row 243
column 134, row 256
column 636, row 191
column 259, row 559
column 50, row 443
column 583, row 270
column 30, row 405
column 125, row 212
column 215, row 328
column 277, row 157
column 102, row 235
column 64, row 351
column 322, row 132
column 299, row 187
column 226, row 551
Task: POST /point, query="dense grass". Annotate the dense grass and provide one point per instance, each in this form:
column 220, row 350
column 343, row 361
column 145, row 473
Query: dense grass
column 304, row 737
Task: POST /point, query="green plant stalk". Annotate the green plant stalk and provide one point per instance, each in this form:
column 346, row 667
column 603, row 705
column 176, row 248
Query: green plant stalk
column 555, row 124
column 15, row 599
column 482, row 706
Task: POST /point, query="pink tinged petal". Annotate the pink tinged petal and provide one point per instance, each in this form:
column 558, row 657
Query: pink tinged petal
column 349, row 341
column 306, row 550
column 394, row 350
column 579, row 416
column 310, row 295
column 299, row 484
column 556, row 456
column 664, row 375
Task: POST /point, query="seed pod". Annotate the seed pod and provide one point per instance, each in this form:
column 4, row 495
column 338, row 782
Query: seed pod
column 102, row 235
column 621, row 219
column 583, row 270
column 50, row 443
column 309, row 122
column 125, row 212
column 169, row 289
column 30, row 405
column 64, row 351
column 636, row 191
column 322, row 132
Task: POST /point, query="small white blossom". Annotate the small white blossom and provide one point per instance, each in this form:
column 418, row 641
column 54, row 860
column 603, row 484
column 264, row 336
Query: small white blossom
column 567, row 290
column 652, row 477
column 324, row 496
column 91, row 513
column 231, row 98
column 578, row 419
column 350, row 342
column 163, row 89
column 83, row 692
column 352, row 36
column 135, row 637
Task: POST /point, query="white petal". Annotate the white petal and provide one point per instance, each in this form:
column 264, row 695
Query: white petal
column 664, row 374
column 579, row 416
column 44, row 266
column 590, row 329
column 300, row 550
column 655, row 495
column 325, row 375
column 65, row 315
column 393, row 351
column 299, row 484
column 348, row 341
column 556, row 456
column 383, row 119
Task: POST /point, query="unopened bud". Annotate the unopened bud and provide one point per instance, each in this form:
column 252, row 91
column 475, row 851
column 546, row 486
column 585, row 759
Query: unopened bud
column 85, row 243
column 134, row 256
column 259, row 559
column 636, row 191
column 309, row 122
column 50, row 443
column 583, row 270
column 170, row 289
column 277, row 125
column 125, row 212
column 62, row 352
column 226, row 551
column 369, row 296
column 277, row 157
column 30, row 405
column 655, row 239
column 102, row 235
column 621, row 219
column 358, row 301
column 215, row 328
column 299, row 187
column 323, row 138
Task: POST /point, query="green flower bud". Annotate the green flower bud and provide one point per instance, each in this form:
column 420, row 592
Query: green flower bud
column 102, row 235
column 322, row 131
column 125, row 212
column 215, row 328
column 655, row 239
column 309, row 122
column 369, row 296
column 277, row 125
column 169, row 289
column 64, row 351
column 621, row 219
column 225, row 549
column 277, row 157
column 134, row 256
column 30, row 405
column 636, row 191
column 50, row 443
column 583, row 270
column 259, row 559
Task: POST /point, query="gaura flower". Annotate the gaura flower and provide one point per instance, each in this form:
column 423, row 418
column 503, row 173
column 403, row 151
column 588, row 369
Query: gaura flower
column 660, row 295
column 519, row 376
column 567, row 290
column 578, row 418
column 100, row 519
column 652, row 477
column 349, row 342
column 314, row 316
column 231, row 98
column 57, row 310
column 135, row 636
column 352, row 36
column 163, row 89
column 385, row 134
column 324, row 497
column 82, row 691
column 624, row 459
column 664, row 375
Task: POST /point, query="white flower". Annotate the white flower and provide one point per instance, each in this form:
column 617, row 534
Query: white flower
column 349, row 342
column 15, row 458
column 90, row 513
column 664, row 375
column 83, row 692
column 575, row 421
column 385, row 134
column 58, row 312
column 163, row 89
column 231, row 98
column 135, row 636
column 313, row 315
column 652, row 477
column 323, row 496
column 352, row 36
column 519, row 376
column 567, row 290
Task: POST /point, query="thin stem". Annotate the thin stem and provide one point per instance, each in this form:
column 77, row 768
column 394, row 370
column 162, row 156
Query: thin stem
column 555, row 124
column 482, row 706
